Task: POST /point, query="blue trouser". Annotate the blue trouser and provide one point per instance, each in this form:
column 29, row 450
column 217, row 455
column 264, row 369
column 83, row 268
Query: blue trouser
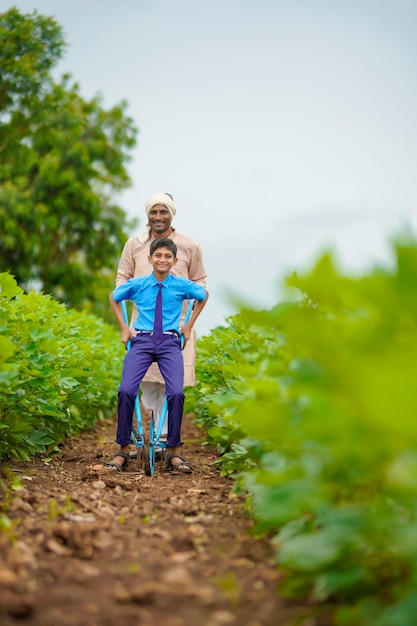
column 143, row 351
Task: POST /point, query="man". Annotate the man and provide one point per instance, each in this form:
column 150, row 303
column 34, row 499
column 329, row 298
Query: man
column 157, row 337
column 160, row 210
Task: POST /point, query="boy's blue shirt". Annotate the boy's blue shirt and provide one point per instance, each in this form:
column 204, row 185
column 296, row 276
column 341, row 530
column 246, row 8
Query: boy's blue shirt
column 142, row 290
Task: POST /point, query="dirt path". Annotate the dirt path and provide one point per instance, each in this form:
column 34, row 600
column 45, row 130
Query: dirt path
column 100, row 549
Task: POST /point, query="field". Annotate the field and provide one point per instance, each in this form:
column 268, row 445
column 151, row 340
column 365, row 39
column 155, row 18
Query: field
column 97, row 548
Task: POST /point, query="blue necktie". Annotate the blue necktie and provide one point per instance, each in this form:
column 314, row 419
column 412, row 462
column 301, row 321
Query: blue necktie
column 157, row 326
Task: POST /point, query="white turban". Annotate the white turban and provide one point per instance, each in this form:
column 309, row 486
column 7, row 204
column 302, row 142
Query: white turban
column 160, row 198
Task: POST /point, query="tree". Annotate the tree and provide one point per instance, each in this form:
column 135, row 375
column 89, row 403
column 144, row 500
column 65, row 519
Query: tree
column 62, row 160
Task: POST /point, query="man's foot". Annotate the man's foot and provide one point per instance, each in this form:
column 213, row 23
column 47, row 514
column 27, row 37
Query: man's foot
column 160, row 454
column 119, row 463
column 160, row 451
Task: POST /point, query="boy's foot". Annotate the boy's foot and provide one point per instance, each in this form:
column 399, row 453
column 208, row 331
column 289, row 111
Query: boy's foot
column 119, row 463
column 175, row 463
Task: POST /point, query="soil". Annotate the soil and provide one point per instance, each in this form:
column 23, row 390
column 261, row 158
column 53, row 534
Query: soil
column 99, row 548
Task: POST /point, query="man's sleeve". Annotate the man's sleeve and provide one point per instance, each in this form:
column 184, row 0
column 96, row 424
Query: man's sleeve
column 126, row 267
column 196, row 271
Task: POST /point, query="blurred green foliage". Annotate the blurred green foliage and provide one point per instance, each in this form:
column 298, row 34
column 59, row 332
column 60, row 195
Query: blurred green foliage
column 63, row 162
column 59, row 371
column 313, row 408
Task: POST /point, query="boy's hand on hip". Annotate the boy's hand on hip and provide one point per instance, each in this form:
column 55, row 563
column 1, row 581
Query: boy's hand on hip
column 125, row 335
column 186, row 333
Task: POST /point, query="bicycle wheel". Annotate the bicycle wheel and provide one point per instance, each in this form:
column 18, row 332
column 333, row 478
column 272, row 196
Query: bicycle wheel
column 138, row 455
column 152, row 445
column 146, row 460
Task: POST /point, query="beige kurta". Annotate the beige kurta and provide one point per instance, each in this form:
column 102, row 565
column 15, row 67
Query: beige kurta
column 134, row 262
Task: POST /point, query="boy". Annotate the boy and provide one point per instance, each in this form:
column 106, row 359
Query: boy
column 157, row 339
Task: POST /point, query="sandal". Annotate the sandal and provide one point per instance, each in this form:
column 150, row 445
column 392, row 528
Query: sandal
column 181, row 466
column 118, row 467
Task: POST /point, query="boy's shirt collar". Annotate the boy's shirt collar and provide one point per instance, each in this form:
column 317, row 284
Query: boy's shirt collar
column 162, row 282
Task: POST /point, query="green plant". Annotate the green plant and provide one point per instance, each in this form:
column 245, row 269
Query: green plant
column 313, row 405
column 59, row 371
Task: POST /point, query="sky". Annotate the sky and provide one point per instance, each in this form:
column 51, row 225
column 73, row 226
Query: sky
column 283, row 128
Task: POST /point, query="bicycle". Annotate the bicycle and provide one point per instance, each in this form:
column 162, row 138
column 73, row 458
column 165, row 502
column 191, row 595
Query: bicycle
column 146, row 446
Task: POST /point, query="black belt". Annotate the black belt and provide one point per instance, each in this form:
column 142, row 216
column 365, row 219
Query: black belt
column 166, row 332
